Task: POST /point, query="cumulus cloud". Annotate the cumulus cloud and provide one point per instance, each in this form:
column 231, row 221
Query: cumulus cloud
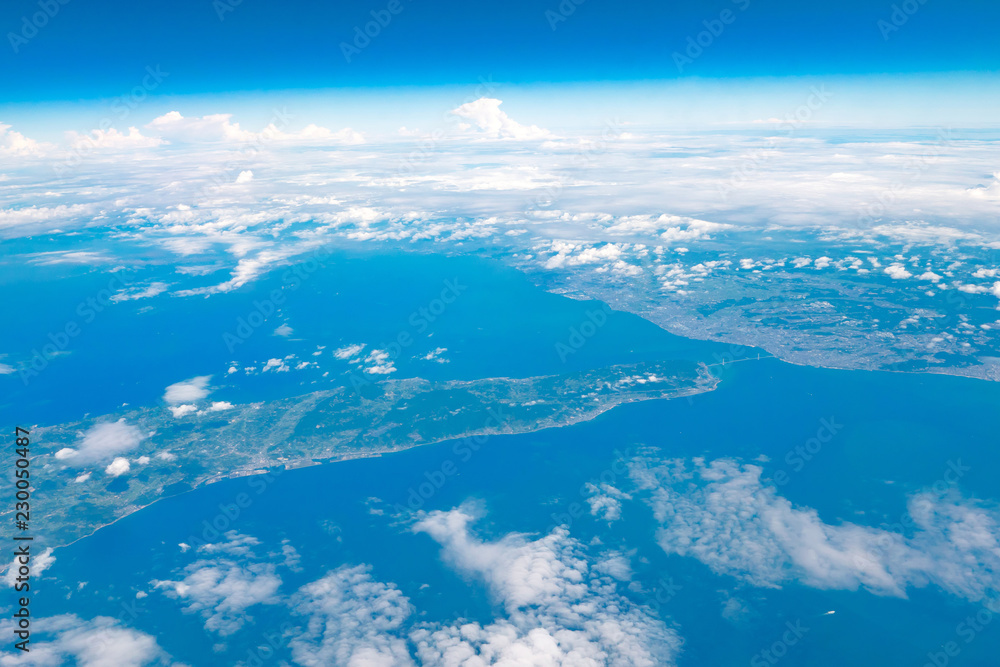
column 559, row 609
column 39, row 564
column 99, row 642
column 111, row 139
column 448, row 193
column 555, row 609
column 118, row 467
column 378, row 363
column 435, row 355
column 187, row 391
column 352, row 620
column 605, row 501
column 214, row 127
column 221, row 590
column 722, row 514
column 485, row 113
column 348, row 351
column 897, row 271
column 220, row 128
column 101, row 442
column 16, row 144
column 182, row 410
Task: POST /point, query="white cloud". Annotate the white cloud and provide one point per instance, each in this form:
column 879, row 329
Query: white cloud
column 897, row 271
column 16, row 144
column 111, row 139
column 605, row 501
column 353, row 620
column 554, row 609
column 186, row 391
column 485, row 114
column 179, row 411
column 348, row 351
column 314, row 133
column 214, row 127
column 140, row 292
column 101, row 442
column 99, row 642
column 558, row 609
column 283, row 330
column 435, row 355
column 220, row 128
column 118, row 467
column 39, row 563
column 245, row 176
column 222, row 590
column 275, row 365
column 378, row 363
column 722, row 514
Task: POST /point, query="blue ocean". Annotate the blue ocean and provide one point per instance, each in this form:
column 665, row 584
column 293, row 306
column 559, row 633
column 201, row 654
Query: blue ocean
column 888, row 436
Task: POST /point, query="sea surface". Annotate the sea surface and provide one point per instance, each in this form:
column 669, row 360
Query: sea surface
column 898, row 433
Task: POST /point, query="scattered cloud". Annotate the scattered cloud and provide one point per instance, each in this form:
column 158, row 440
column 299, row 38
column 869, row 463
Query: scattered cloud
column 187, row 391
column 486, row 115
column 378, row 362
column 111, row 139
column 99, row 642
column 348, row 351
column 724, row 515
column 222, row 590
column 101, row 442
column 118, row 467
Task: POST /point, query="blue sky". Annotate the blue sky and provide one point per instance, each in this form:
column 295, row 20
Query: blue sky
column 92, row 50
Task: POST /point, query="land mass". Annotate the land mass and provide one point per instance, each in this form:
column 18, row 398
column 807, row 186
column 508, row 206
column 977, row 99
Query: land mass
column 174, row 455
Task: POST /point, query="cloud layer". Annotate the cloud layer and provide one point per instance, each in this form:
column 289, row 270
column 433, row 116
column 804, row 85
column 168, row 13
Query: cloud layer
column 722, row 514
